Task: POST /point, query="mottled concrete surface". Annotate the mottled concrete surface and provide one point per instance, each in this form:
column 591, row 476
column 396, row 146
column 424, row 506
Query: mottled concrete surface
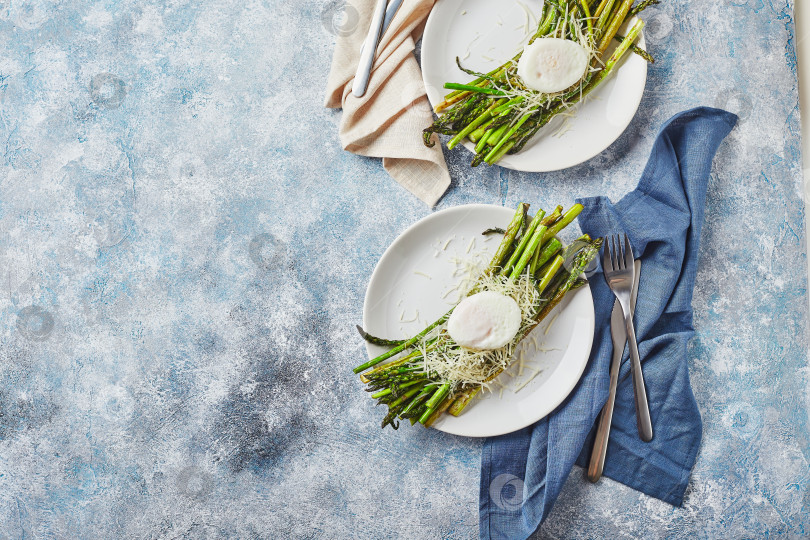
column 185, row 248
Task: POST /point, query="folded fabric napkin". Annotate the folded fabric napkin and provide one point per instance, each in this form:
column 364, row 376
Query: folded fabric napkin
column 388, row 120
column 522, row 473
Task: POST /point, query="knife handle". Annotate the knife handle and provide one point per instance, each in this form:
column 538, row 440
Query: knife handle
column 645, row 430
column 390, row 12
column 369, row 51
column 597, row 464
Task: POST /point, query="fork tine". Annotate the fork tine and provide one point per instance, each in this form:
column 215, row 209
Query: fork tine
column 628, row 253
column 614, row 251
column 606, row 265
column 618, row 252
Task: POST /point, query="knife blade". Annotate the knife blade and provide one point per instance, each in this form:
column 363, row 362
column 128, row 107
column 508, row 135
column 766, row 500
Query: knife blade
column 619, row 336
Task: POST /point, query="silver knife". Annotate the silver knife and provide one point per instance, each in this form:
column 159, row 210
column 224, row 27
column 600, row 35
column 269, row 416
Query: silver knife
column 369, row 50
column 393, row 7
column 619, row 336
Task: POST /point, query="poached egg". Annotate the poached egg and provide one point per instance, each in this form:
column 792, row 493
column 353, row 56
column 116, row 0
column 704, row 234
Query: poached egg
column 551, row 65
column 484, row 321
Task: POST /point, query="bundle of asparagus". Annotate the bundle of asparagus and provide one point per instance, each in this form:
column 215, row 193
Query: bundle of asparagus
column 500, row 114
column 436, row 374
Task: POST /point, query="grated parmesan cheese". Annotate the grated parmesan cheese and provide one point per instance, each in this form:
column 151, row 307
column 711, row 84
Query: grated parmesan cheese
column 415, row 317
column 451, row 289
column 532, row 100
column 527, row 381
column 451, row 363
column 470, row 46
column 551, row 323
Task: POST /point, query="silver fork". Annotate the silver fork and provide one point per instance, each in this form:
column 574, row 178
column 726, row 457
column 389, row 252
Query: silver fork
column 617, row 263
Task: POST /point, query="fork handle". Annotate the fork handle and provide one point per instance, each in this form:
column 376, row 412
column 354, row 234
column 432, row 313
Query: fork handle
column 645, row 430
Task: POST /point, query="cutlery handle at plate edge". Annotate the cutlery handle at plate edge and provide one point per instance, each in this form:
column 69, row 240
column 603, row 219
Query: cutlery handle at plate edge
column 645, row 430
column 390, row 12
column 369, row 50
column 597, row 463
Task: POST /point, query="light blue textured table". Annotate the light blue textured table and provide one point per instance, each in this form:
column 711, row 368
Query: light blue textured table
column 184, row 249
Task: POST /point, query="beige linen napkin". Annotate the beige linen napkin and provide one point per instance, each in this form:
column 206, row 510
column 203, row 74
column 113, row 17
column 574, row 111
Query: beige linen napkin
column 388, row 120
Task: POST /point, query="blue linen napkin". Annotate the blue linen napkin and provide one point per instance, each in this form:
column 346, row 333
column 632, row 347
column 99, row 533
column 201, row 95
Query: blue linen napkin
column 523, row 472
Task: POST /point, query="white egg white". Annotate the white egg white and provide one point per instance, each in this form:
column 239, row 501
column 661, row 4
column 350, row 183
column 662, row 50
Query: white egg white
column 551, row 64
column 484, row 321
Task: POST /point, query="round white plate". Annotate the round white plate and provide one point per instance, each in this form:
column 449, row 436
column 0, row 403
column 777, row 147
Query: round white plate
column 406, row 293
column 484, row 34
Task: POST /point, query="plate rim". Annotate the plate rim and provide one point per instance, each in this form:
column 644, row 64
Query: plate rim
column 372, row 350
column 427, row 60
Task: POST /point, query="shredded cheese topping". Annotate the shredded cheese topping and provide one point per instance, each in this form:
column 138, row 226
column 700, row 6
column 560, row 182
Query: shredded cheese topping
column 533, row 100
column 449, row 362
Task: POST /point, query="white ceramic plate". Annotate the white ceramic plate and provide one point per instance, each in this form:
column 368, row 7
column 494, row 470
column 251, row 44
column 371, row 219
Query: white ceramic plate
column 400, row 302
column 487, row 33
